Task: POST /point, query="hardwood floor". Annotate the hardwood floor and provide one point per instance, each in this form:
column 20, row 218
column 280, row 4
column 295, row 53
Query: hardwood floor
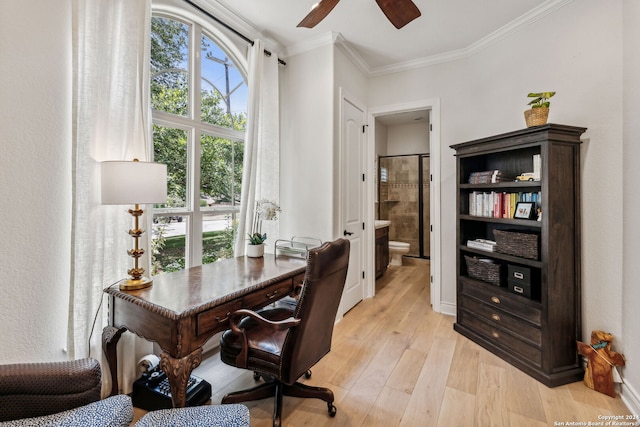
column 394, row 362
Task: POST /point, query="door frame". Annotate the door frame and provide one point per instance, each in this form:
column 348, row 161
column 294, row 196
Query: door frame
column 433, row 105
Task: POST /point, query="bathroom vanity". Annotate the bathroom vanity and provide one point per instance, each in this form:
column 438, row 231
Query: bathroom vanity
column 382, row 246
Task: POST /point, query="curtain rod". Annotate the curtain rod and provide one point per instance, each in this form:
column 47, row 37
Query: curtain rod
column 233, row 30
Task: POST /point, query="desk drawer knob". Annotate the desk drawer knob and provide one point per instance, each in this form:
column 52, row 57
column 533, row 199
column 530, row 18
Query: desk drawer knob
column 495, row 300
column 272, row 295
column 224, row 319
column 495, row 334
column 495, row 317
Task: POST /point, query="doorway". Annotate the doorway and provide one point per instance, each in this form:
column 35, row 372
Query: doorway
column 432, row 108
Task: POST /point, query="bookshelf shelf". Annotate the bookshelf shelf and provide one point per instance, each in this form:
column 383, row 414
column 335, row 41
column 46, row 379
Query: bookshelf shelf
column 517, row 186
column 515, row 222
column 536, row 330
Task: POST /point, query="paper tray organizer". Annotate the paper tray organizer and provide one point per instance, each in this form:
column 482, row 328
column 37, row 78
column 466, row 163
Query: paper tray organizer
column 296, row 246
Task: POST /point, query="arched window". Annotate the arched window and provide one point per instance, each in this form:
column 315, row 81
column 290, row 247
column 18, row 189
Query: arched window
column 199, row 110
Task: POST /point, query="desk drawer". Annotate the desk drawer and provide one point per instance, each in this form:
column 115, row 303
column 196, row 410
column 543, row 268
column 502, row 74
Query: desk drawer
column 216, row 318
column 268, row 295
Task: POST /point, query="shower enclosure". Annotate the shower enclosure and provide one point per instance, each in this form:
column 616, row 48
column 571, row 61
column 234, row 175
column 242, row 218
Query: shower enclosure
column 403, row 199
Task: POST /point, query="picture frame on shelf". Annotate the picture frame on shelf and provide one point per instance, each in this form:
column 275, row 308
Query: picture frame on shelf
column 525, row 210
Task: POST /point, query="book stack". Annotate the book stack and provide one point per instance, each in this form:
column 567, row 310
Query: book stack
column 488, row 177
column 482, row 244
column 499, row 205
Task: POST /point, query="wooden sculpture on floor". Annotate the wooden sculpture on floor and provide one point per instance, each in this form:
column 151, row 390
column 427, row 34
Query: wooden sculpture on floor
column 601, row 362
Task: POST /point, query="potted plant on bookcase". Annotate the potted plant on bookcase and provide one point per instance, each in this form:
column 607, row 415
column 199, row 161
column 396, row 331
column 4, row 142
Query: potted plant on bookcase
column 266, row 210
column 539, row 112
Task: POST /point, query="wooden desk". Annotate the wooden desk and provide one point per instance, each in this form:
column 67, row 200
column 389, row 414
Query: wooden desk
column 182, row 310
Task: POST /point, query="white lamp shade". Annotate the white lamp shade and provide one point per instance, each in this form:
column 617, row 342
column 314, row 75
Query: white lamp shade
column 133, row 182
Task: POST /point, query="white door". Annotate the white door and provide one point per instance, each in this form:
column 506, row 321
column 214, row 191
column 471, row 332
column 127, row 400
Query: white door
column 352, row 192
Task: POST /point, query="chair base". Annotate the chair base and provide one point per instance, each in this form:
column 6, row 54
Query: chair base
column 277, row 389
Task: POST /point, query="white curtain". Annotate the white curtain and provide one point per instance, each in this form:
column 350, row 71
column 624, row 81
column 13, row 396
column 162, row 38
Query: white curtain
column 111, row 40
column 261, row 168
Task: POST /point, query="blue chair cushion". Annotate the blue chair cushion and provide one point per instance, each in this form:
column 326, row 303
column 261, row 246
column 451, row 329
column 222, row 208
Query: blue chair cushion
column 114, row 411
column 235, row 415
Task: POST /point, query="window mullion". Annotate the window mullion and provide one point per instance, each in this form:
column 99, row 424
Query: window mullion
column 196, row 234
column 196, row 227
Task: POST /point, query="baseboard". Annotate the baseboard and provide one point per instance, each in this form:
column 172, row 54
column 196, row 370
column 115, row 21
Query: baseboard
column 448, row 308
column 630, row 397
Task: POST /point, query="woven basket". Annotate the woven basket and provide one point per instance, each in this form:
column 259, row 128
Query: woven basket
column 486, row 271
column 536, row 116
column 524, row 245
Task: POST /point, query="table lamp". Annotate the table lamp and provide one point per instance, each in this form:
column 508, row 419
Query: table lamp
column 134, row 183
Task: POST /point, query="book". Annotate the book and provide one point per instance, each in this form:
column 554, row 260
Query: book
column 537, row 167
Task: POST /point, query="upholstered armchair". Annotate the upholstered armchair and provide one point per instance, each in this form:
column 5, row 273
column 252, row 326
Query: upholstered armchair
column 282, row 344
column 68, row 394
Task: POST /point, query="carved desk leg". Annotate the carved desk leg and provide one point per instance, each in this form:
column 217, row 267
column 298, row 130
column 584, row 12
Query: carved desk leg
column 178, row 372
column 110, row 337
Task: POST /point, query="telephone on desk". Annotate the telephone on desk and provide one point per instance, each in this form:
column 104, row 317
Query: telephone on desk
column 151, row 391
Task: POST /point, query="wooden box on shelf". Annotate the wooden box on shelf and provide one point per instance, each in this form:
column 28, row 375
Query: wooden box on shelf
column 535, row 330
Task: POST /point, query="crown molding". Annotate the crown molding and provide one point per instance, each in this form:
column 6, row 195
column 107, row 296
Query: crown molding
column 325, row 39
column 517, row 24
column 353, row 55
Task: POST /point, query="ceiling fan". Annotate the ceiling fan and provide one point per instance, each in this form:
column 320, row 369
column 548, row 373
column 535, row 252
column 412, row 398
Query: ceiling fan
column 399, row 12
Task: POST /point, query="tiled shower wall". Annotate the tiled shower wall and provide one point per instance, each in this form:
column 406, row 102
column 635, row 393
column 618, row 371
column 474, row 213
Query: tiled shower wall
column 399, row 200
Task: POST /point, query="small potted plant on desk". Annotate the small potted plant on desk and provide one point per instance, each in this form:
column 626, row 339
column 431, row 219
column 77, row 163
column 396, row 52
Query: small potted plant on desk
column 265, row 210
column 539, row 112
column 255, row 248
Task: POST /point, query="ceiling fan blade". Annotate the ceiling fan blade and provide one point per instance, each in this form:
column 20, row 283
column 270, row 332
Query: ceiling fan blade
column 318, row 12
column 399, row 12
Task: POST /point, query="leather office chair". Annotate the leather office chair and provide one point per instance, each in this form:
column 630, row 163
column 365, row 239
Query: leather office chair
column 281, row 345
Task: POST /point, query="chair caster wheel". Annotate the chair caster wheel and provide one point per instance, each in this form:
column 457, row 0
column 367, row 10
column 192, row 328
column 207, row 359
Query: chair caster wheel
column 307, row 374
column 332, row 409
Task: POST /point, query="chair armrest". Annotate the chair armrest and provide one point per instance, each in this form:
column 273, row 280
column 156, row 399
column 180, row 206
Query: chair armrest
column 242, row 358
column 275, row 325
column 35, row 389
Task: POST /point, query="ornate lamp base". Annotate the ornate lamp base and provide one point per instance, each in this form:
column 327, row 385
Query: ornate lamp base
column 135, row 284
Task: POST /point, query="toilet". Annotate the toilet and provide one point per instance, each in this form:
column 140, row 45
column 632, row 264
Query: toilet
column 396, row 250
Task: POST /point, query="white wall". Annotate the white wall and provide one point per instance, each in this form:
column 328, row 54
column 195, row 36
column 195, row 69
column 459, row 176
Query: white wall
column 410, row 138
column 35, row 190
column 306, row 163
column 381, row 139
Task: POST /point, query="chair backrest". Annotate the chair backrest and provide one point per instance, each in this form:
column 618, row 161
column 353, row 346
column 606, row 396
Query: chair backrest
column 317, row 307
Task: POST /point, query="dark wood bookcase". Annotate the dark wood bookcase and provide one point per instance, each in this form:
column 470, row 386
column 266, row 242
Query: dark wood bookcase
column 537, row 335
